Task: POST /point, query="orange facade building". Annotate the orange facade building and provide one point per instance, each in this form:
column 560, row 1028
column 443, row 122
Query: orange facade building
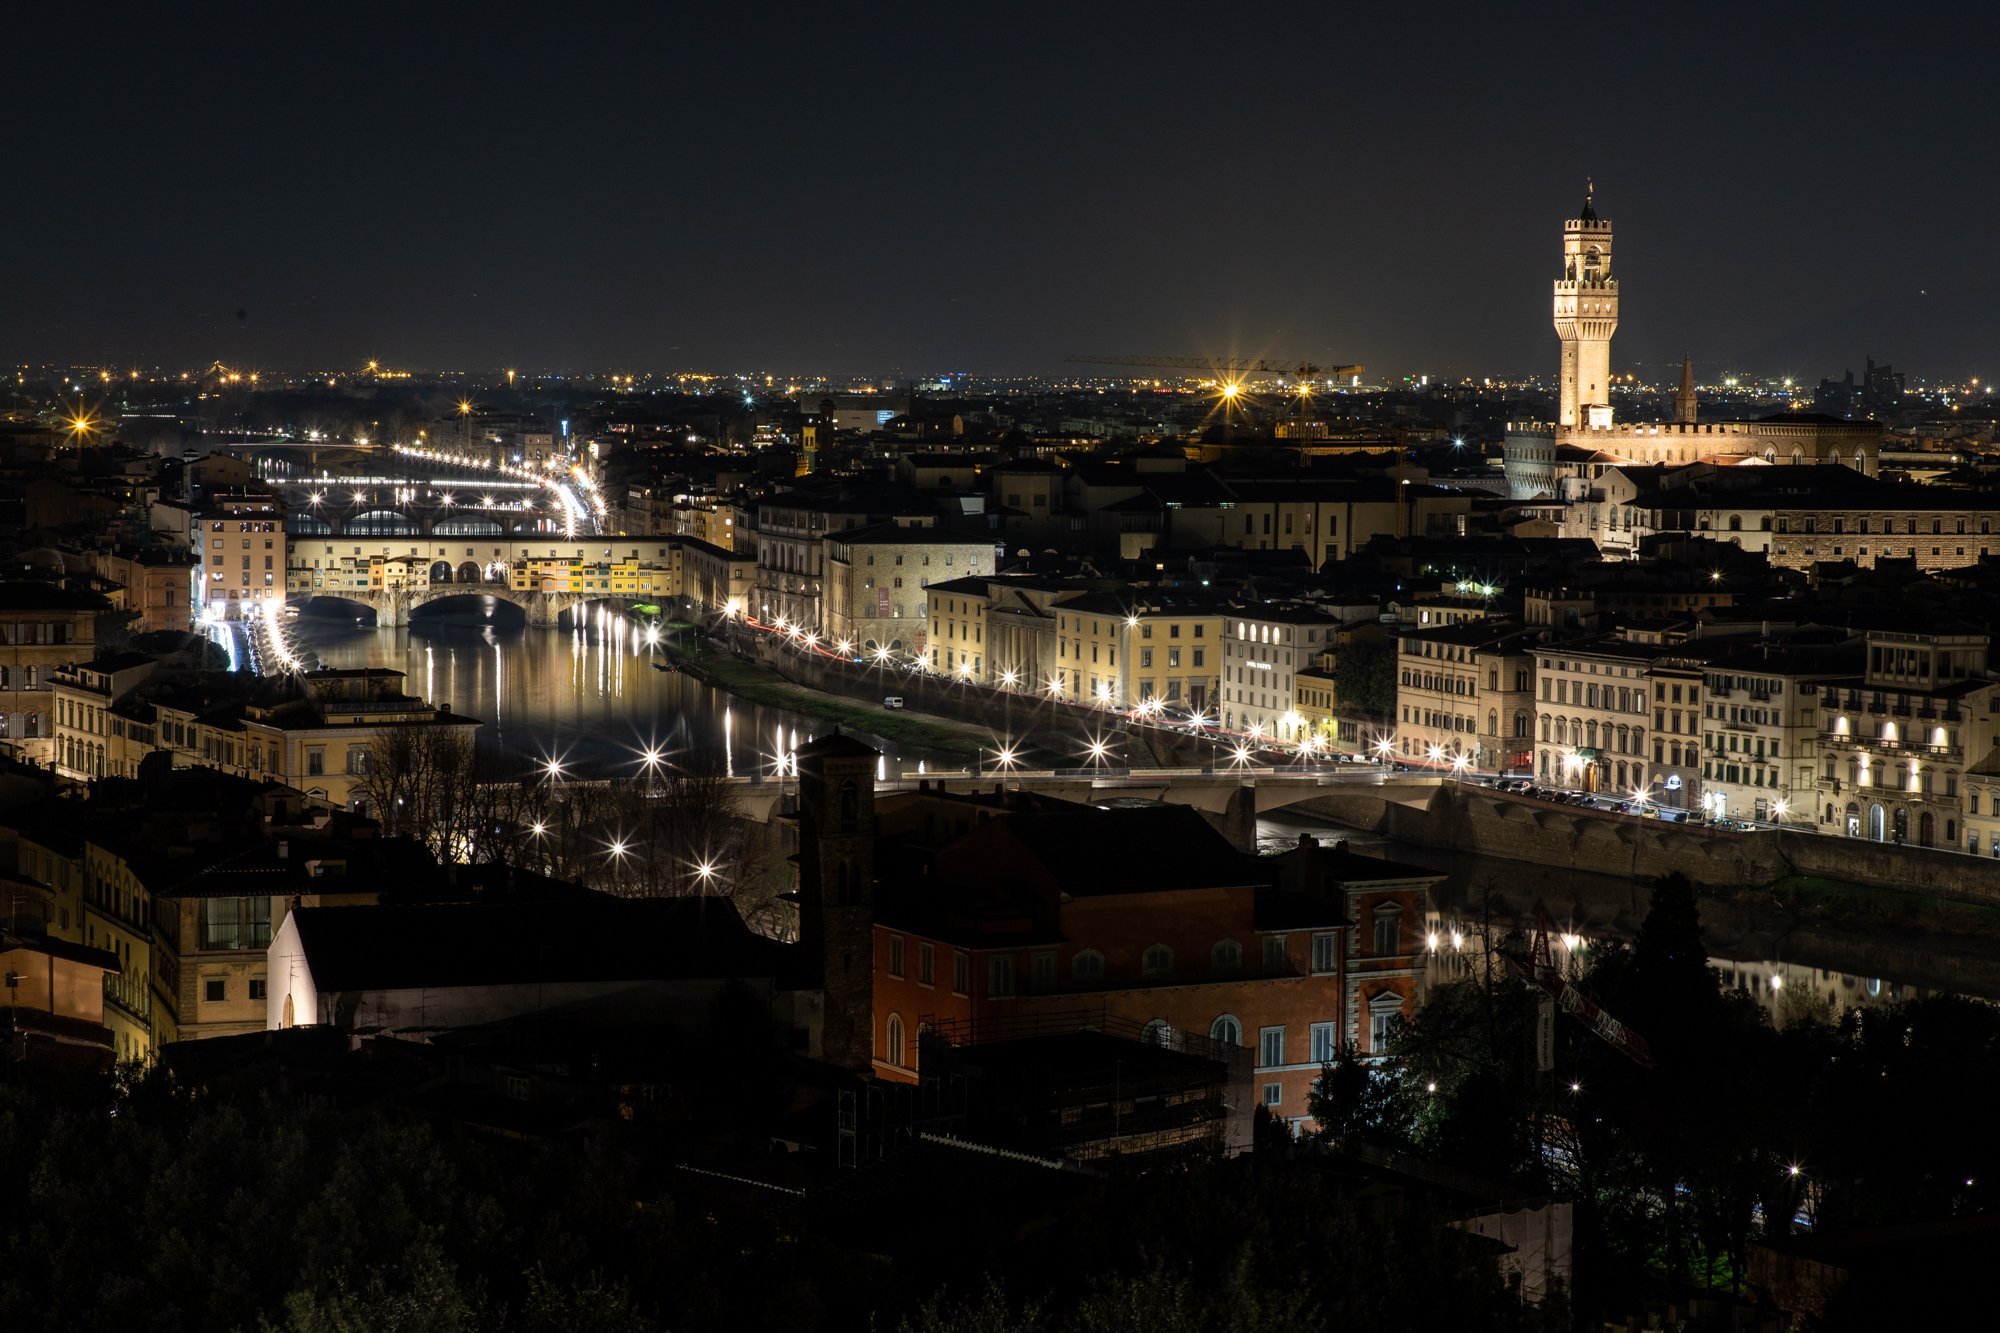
column 997, row 915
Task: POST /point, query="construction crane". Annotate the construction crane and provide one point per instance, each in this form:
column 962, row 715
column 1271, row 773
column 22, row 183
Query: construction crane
column 1538, row 966
column 1228, row 369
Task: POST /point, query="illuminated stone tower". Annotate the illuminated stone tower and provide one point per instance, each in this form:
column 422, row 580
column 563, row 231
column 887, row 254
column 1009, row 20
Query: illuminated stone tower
column 1586, row 308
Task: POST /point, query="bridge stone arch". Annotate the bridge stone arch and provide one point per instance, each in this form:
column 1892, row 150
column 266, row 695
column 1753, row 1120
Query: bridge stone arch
column 335, row 605
column 393, row 606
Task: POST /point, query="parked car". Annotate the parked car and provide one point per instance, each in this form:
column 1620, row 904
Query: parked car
column 893, row 701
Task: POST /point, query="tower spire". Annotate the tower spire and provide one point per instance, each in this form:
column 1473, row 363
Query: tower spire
column 1685, row 408
column 1589, row 199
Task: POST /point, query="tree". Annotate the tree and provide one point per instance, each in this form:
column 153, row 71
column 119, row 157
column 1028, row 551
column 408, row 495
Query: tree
column 1352, row 1100
column 1364, row 676
column 419, row 782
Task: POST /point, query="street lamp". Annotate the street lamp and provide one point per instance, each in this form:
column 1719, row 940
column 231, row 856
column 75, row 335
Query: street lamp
column 650, row 760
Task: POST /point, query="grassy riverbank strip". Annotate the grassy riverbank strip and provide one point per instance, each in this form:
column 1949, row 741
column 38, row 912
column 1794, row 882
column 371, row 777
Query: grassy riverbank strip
column 1818, row 898
column 761, row 685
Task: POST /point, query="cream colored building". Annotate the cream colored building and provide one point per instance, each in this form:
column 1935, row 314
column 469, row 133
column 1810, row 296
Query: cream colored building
column 1597, row 726
column 44, row 630
column 1761, row 729
column 1796, row 517
column 1465, row 697
column 1120, row 649
column 1264, row 649
column 244, row 554
column 92, row 738
column 315, row 736
column 1982, row 806
column 957, row 612
column 877, row 580
column 1897, row 737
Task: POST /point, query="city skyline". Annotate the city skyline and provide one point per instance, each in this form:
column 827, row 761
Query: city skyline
column 661, row 191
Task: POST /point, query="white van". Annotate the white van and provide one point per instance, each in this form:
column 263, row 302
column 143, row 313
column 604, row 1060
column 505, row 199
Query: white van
column 893, row 701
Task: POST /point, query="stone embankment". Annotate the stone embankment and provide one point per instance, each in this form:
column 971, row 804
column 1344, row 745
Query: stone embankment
column 1479, row 821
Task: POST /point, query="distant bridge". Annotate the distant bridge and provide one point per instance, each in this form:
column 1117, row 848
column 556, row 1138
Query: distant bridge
column 1231, row 798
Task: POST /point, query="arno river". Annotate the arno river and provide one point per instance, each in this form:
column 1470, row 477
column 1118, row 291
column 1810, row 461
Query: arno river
column 593, row 696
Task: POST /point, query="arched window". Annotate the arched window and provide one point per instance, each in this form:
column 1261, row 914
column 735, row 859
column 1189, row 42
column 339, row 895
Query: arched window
column 1493, row 722
column 1088, row 965
column 1157, row 960
column 892, row 1040
column 1226, row 1028
column 1520, row 726
column 1159, row 1032
column 1225, row 954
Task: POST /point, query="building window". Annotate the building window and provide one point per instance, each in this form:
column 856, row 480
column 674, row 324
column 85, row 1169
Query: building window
column 1000, row 977
column 1157, row 960
column 1041, row 973
column 961, row 974
column 1225, row 955
column 1226, row 1028
column 1383, row 1013
column 1270, row 1047
column 1087, row 966
column 215, row 990
column 1386, row 922
column 892, row 1040
column 1325, row 1043
column 895, row 955
column 235, row 923
column 1274, row 1093
column 1274, row 953
column 1326, row 954
column 926, row 963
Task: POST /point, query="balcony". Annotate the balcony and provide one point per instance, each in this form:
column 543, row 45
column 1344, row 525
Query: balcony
column 1915, row 749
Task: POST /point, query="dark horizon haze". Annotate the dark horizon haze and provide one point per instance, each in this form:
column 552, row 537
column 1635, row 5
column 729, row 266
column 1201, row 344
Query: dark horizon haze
column 920, row 189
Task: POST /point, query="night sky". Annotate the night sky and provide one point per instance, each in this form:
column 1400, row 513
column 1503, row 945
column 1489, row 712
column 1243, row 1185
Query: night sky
column 943, row 187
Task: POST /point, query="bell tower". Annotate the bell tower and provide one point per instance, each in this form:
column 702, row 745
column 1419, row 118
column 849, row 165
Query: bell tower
column 1586, row 315
column 837, row 890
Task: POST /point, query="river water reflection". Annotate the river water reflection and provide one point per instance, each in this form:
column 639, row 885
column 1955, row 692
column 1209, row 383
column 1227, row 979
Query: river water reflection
column 593, row 695
column 1796, row 986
